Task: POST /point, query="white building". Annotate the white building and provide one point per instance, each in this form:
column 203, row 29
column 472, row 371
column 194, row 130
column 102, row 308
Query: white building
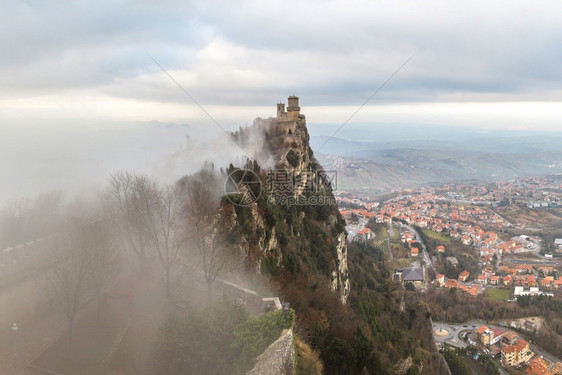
column 533, row 291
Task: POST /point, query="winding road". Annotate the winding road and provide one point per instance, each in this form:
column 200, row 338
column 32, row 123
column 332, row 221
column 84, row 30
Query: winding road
column 454, row 330
column 418, row 238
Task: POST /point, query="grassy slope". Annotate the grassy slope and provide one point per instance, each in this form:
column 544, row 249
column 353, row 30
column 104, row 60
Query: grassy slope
column 496, row 294
column 437, row 236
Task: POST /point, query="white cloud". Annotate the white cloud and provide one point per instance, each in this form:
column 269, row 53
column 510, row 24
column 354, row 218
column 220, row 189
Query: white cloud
column 90, row 58
column 77, row 80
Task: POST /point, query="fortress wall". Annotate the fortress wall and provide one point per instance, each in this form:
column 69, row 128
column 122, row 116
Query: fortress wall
column 285, row 123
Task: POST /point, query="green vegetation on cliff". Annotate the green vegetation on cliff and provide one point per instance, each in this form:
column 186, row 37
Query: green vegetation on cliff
column 302, row 248
column 379, row 326
column 347, row 307
column 222, row 339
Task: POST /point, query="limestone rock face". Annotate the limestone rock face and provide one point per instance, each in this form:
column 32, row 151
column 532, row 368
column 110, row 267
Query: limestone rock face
column 278, row 358
column 311, row 191
column 340, row 275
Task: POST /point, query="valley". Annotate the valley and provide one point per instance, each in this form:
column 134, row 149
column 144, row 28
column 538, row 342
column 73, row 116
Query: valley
column 476, row 251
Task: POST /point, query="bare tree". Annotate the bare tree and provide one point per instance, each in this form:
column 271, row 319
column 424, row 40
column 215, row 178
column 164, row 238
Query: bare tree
column 129, row 198
column 26, row 219
column 104, row 259
column 209, row 234
column 80, row 265
column 68, row 273
column 166, row 230
column 148, row 217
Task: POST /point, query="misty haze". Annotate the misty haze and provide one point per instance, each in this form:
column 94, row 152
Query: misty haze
column 280, row 188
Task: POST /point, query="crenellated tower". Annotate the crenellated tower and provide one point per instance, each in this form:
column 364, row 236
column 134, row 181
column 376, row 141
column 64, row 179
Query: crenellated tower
column 281, row 114
column 285, row 123
column 293, row 109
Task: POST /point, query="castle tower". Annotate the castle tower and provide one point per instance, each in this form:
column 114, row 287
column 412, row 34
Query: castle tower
column 281, row 111
column 293, row 108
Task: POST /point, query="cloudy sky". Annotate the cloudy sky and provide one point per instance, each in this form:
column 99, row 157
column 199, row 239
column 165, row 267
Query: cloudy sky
column 479, row 63
column 77, row 76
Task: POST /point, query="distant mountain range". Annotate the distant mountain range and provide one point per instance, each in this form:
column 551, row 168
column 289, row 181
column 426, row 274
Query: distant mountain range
column 378, row 158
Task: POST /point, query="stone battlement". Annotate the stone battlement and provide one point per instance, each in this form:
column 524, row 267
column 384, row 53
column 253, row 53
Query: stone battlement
column 286, row 121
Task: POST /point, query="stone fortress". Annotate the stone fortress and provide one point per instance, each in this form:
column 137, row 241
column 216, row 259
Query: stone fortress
column 287, row 122
column 287, row 133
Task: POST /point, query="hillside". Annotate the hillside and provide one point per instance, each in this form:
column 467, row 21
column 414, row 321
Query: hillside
column 346, row 306
column 378, row 164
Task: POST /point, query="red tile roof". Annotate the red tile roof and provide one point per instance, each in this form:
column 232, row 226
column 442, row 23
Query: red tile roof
column 364, row 231
column 508, row 349
column 537, row 367
column 497, row 332
column 452, row 283
column 481, row 330
column 520, row 344
column 472, row 289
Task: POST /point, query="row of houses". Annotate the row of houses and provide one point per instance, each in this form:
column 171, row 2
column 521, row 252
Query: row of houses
column 519, row 281
column 470, row 289
column 532, row 291
column 515, row 351
column 463, row 222
column 522, row 275
column 538, row 366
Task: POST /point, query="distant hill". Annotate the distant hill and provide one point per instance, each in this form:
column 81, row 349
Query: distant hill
column 436, row 157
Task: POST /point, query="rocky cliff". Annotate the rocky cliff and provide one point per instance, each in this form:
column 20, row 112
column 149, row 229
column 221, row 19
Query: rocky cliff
column 291, row 222
column 278, row 358
column 347, row 306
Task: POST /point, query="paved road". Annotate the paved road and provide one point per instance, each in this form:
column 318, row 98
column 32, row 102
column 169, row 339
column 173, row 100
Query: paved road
column 390, row 232
column 548, row 357
column 17, row 262
column 417, row 237
column 352, row 229
column 25, row 302
column 455, row 329
column 529, row 261
column 452, row 338
column 389, row 249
